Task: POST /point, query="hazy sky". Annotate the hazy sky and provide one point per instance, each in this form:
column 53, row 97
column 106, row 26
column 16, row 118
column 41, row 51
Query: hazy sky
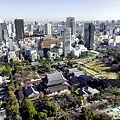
column 55, row 10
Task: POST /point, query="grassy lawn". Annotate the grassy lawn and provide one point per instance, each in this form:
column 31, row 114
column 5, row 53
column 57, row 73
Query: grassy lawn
column 89, row 71
column 110, row 75
column 99, row 66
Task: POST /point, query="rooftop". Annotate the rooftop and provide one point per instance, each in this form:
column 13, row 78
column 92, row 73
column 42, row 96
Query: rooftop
column 72, row 70
column 55, row 78
column 113, row 112
column 56, row 88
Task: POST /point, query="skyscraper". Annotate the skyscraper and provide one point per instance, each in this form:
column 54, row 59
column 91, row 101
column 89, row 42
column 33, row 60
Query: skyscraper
column 89, row 35
column 102, row 27
column 48, row 28
column 70, row 22
column 3, row 31
column 66, row 41
column 19, row 28
column 1, row 35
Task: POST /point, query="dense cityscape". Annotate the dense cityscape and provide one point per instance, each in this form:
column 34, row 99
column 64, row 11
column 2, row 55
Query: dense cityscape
column 59, row 70
column 60, row 60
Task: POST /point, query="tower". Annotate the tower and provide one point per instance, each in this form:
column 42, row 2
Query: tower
column 19, row 28
column 102, row 27
column 66, row 41
column 89, row 35
column 48, row 28
column 3, row 31
column 70, row 22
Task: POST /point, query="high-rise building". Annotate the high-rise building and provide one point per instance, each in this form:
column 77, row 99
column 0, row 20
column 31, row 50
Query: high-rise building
column 70, row 22
column 19, row 28
column 48, row 28
column 66, row 41
column 102, row 27
column 89, row 35
column 3, row 31
column 1, row 35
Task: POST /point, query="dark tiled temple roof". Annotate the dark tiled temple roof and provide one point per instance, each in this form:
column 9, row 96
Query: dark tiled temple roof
column 56, row 88
column 55, row 78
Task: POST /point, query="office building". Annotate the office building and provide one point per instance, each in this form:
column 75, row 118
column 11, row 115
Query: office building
column 3, row 31
column 48, row 28
column 19, row 28
column 70, row 22
column 102, row 27
column 89, row 35
column 66, row 41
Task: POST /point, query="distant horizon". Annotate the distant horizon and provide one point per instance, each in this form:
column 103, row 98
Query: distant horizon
column 8, row 20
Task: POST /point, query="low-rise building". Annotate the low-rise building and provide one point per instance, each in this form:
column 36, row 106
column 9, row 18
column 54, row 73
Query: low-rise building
column 55, row 84
column 87, row 91
column 31, row 92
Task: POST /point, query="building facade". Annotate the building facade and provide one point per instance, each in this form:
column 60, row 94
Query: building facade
column 48, row 28
column 19, row 28
column 3, row 31
column 89, row 35
column 70, row 22
column 66, row 41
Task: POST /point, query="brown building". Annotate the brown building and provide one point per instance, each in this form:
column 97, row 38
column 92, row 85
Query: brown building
column 48, row 41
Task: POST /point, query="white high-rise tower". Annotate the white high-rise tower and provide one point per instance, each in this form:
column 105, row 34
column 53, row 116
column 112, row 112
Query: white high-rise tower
column 48, row 28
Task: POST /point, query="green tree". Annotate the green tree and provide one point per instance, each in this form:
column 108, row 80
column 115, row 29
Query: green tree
column 97, row 96
column 87, row 115
column 30, row 111
column 41, row 116
column 74, row 92
column 31, row 114
column 65, row 118
column 28, row 104
column 35, row 68
column 53, row 110
column 25, row 62
column 14, row 110
column 6, row 72
column 18, row 68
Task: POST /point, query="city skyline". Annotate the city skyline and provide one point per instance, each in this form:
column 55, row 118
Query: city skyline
column 57, row 11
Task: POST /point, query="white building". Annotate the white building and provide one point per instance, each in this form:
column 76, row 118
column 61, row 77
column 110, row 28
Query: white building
column 9, row 27
column 10, row 44
column 66, row 41
column 12, row 56
column 33, row 55
column 117, row 39
column 114, row 42
column 48, row 28
column 52, row 54
column 79, row 50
